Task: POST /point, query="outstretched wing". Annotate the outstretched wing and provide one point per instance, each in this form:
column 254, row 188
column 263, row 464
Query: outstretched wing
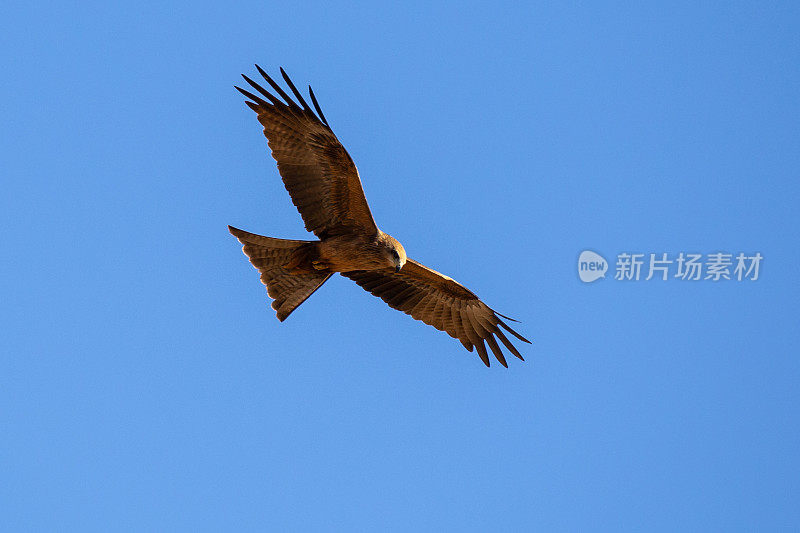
column 443, row 303
column 316, row 169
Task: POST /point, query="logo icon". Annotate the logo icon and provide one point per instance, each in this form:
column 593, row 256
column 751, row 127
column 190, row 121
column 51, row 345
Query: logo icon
column 591, row 266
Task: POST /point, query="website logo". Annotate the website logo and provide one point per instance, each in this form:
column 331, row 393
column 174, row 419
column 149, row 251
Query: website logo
column 591, row 266
column 685, row 266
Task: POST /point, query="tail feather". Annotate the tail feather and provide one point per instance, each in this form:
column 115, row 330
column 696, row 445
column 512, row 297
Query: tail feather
column 288, row 288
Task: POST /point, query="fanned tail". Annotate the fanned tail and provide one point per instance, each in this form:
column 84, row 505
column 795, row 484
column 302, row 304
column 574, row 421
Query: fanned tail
column 288, row 287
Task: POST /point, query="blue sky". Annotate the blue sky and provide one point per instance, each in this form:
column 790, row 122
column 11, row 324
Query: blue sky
column 145, row 383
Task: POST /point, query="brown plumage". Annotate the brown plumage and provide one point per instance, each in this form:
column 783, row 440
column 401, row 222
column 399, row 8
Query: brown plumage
column 323, row 183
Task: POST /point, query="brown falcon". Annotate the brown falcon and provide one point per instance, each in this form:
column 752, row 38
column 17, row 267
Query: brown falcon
column 324, row 185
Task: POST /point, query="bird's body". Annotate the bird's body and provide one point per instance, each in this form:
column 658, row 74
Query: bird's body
column 345, row 253
column 324, row 185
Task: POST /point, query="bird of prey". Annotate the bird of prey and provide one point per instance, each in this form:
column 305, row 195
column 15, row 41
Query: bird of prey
column 323, row 183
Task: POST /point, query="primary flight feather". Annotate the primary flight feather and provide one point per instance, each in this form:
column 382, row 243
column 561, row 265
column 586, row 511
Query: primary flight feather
column 323, row 183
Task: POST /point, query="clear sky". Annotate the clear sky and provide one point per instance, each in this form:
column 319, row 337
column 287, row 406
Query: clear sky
column 145, row 383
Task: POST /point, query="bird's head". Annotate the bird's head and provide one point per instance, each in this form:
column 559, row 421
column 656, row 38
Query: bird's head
column 393, row 252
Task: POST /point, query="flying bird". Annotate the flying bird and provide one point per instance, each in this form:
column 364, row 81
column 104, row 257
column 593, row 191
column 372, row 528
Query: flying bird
column 323, row 183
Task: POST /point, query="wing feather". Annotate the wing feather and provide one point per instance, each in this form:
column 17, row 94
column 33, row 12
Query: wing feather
column 421, row 311
column 413, row 300
column 482, row 353
column 436, row 314
column 277, row 88
column 316, row 105
column 443, row 303
column 295, row 91
column 496, row 350
column 458, row 329
column 476, row 325
column 508, row 344
column 508, row 328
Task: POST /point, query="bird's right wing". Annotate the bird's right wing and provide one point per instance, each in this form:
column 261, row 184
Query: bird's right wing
column 441, row 302
column 316, row 169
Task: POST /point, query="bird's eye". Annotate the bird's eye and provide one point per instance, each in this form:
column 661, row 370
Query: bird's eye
column 395, row 254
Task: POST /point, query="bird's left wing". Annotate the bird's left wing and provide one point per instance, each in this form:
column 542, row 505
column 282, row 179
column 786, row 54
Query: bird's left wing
column 443, row 303
column 316, row 169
